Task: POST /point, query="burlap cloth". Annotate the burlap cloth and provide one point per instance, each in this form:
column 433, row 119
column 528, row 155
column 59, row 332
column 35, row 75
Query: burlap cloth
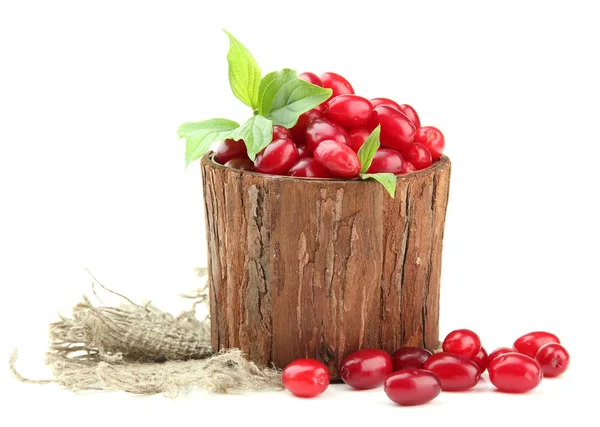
column 140, row 349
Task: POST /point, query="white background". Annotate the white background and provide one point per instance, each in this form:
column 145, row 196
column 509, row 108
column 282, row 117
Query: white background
column 91, row 175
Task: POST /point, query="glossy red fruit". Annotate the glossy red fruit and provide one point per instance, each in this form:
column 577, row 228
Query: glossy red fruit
column 410, row 358
column 277, row 158
column 397, row 131
column 279, row 132
column 412, row 387
column 411, row 114
column 456, row 373
column 309, row 168
column 303, row 151
column 529, row 344
column 338, row 159
column 306, row 377
column 463, row 342
column 553, row 358
column 366, row 369
column 338, row 84
column 386, row 160
column 311, row 78
column 407, row 167
column 481, row 360
column 498, row 352
column 515, row 373
column 242, row 164
column 299, row 129
column 230, row 149
column 385, row 101
column 322, row 129
column 431, row 138
column 358, row 136
column 418, row 155
column 348, row 110
column 373, row 122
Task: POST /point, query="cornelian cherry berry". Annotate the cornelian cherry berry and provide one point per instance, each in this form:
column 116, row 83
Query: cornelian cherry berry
column 515, row 373
column 366, row 369
column 311, row 78
column 407, row 167
column 321, row 129
column 463, row 342
column 358, row 136
column 411, row 114
column 277, row 158
column 412, row 386
column 309, row 168
column 553, row 358
column 418, row 155
column 385, row 101
column 498, row 352
column 386, row 160
column 456, row 373
column 529, row 344
column 481, row 360
column 299, row 129
column 410, row 358
column 279, row 132
column 303, row 151
column 230, row 149
column 348, row 110
column 397, row 131
column 338, row 84
column 431, row 138
column 241, row 164
column 306, row 377
column 338, row 159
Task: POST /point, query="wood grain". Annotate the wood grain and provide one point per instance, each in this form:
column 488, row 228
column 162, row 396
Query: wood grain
column 321, row 268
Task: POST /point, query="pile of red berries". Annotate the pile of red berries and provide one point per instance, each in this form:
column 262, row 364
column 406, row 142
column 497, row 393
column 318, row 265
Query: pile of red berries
column 413, row 375
column 325, row 141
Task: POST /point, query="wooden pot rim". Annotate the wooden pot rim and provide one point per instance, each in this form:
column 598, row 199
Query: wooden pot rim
column 439, row 165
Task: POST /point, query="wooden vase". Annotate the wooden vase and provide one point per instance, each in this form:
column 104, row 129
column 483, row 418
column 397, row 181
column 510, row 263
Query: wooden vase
column 321, row 268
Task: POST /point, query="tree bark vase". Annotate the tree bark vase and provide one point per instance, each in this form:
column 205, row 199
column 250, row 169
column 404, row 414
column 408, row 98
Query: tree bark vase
column 321, row 268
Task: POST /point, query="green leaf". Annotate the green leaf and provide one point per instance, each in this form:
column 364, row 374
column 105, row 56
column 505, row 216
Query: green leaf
column 368, row 149
column 388, row 180
column 200, row 135
column 244, row 72
column 284, row 97
column 256, row 132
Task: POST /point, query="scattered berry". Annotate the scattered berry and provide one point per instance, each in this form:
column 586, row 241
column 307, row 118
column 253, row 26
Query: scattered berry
column 277, row 158
column 463, row 342
column 456, row 373
column 530, row 343
column 410, row 358
column 553, row 358
column 306, row 377
column 481, row 360
column 366, row 369
column 412, row 386
column 515, row 373
column 498, row 352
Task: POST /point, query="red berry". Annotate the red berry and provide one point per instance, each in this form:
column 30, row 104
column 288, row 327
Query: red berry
column 411, row 114
column 431, row 138
column 358, row 136
column 339, row 159
column 230, row 149
column 529, row 344
column 348, row 110
column 306, row 377
column 463, row 342
column 498, row 352
column 412, row 386
column 277, row 158
column 311, row 78
column 279, row 132
column 242, row 164
column 418, row 155
column 410, row 358
column 386, row 160
column 385, row 101
column 457, row 373
column 321, row 129
column 481, row 360
column 553, row 358
column 373, row 122
column 299, row 129
column 309, row 168
column 366, row 369
column 515, row 373
column 397, row 131
column 303, row 151
column 407, row 167
column 337, row 84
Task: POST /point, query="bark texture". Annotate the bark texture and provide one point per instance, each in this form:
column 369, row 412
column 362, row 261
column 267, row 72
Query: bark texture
column 321, row 268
